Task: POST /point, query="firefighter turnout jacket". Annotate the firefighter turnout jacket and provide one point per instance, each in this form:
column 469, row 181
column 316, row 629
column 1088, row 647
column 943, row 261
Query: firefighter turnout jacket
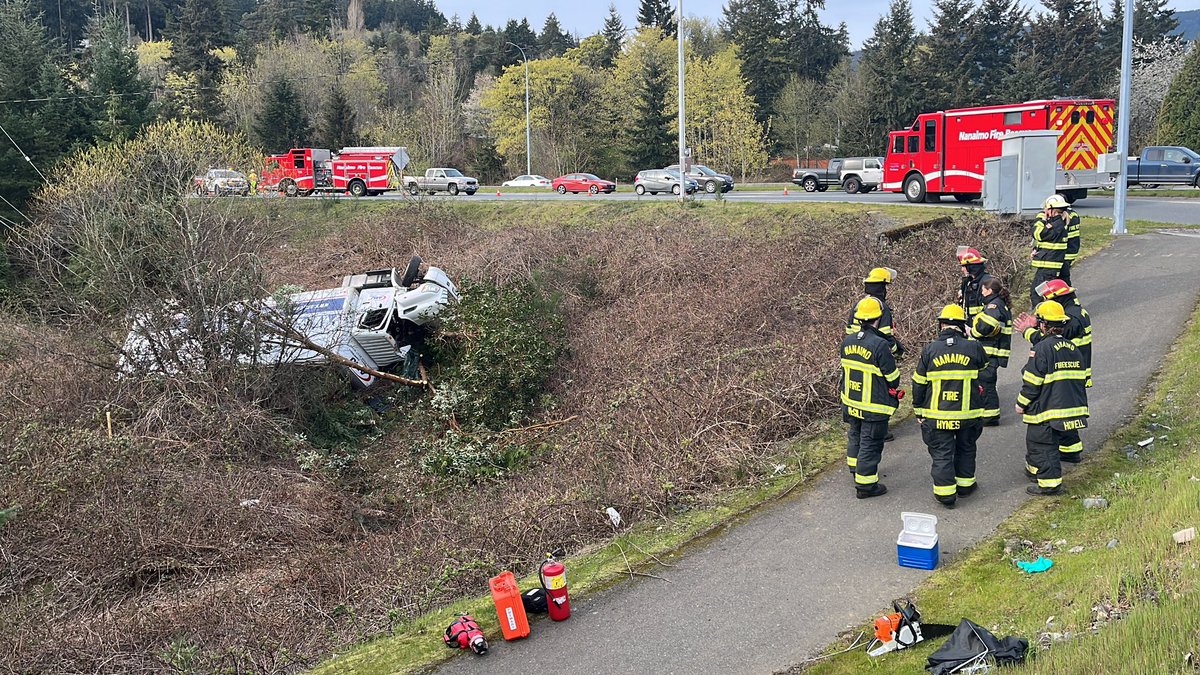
column 887, row 327
column 1078, row 330
column 944, row 385
column 993, row 328
column 1049, row 242
column 972, row 296
column 1053, row 385
column 869, row 376
column 1072, row 220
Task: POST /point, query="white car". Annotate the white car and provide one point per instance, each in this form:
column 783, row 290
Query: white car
column 527, row 181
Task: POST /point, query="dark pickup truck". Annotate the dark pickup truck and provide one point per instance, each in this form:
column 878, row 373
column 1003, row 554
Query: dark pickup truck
column 1164, row 165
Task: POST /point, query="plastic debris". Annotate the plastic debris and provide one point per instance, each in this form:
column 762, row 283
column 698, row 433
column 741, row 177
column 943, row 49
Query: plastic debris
column 1185, row 536
column 613, row 516
column 1095, row 503
column 248, row 503
column 1113, row 543
column 1076, row 549
column 1040, row 565
column 1146, row 442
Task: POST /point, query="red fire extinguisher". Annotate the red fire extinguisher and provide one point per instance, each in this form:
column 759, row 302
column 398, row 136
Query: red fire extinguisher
column 554, row 580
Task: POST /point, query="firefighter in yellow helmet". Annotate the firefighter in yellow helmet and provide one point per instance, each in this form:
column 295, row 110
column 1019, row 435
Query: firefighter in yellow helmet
column 1053, row 399
column 875, row 285
column 253, row 180
column 948, row 403
column 1049, row 244
column 870, row 396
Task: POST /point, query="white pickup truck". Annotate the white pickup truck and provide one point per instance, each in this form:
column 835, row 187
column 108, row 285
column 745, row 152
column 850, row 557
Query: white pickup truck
column 441, row 180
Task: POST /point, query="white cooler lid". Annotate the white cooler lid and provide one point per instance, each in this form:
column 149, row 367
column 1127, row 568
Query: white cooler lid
column 919, row 523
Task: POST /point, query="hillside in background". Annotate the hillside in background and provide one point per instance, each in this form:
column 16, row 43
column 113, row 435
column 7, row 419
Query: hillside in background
column 1189, row 24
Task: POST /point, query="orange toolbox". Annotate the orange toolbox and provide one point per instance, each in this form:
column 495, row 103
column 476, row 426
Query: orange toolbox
column 509, row 608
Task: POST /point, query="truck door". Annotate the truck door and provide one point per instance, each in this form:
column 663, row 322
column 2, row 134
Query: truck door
column 1174, row 169
column 872, row 171
column 1153, row 170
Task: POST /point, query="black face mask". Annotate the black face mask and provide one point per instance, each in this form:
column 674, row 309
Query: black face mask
column 975, row 270
column 876, row 288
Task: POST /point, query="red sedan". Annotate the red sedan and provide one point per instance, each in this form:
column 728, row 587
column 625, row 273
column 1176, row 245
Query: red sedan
column 582, row 182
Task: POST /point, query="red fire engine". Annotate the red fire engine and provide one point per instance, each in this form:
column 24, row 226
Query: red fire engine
column 943, row 152
column 359, row 171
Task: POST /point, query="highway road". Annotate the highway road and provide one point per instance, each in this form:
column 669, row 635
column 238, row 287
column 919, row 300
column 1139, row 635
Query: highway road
column 1180, row 211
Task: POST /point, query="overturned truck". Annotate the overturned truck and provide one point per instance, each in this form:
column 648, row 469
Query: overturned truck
column 366, row 326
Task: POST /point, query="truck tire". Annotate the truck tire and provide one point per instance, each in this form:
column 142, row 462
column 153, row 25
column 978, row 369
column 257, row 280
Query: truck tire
column 852, row 185
column 710, row 186
column 358, row 188
column 914, row 188
column 452, row 189
column 809, row 184
column 412, row 190
column 562, row 189
column 640, row 190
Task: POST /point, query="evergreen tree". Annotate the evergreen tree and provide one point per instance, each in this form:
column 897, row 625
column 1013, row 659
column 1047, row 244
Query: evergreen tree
column 1179, row 123
column 614, row 36
column 519, row 34
column 338, row 121
column 811, row 47
column 114, row 71
column 945, row 63
column 473, row 25
column 200, row 30
column 1153, row 21
column 891, row 69
column 553, row 41
column 657, row 14
column 997, row 36
column 1067, row 39
column 649, row 140
column 282, row 124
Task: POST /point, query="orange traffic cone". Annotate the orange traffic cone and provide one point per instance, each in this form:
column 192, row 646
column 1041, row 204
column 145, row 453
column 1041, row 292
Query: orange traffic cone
column 785, row 192
column 497, row 193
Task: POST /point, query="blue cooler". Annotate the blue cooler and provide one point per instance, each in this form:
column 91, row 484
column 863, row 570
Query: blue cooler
column 917, row 545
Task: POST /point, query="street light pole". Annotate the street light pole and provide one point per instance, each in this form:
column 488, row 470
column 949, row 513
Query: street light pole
column 682, row 137
column 1123, row 121
column 528, row 158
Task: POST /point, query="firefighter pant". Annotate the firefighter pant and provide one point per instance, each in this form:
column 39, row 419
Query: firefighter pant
column 864, row 449
column 1070, row 443
column 991, row 397
column 1065, row 273
column 1040, row 274
column 1041, row 454
column 951, row 445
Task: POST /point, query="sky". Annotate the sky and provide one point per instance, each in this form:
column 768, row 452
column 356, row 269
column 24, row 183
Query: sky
column 585, row 18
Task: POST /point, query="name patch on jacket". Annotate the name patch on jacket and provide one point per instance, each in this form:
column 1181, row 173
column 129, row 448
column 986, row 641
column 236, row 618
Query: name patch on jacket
column 857, row 350
column 960, row 359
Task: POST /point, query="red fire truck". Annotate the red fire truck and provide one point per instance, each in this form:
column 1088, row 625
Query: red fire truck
column 943, row 152
column 359, row 171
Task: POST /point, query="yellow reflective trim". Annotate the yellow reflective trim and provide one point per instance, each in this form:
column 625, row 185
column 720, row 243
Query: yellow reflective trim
column 1022, row 401
column 861, row 367
column 964, row 482
column 1042, row 264
column 1050, row 245
column 1072, row 448
column 868, row 407
column 893, row 376
column 866, row 480
column 1060, row 414
column 952, row 374
column 886, row 330
column 1031, row 470
column 935, row 414
column 1061, row 375
column 1049, row 482
column 851, row 462
column 1032, row 379
column 945, row 490
column 991, row 412
column 1083, row 341
column 996, row 351
column 920, row 379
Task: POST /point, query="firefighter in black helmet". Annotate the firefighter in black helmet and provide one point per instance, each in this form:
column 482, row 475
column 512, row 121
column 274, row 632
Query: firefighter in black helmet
column 974, row 274
column 1049, row 244
column 993, row 327
column 1053, row 399
column 948, row 403
column 869, row 396
column 875, row 284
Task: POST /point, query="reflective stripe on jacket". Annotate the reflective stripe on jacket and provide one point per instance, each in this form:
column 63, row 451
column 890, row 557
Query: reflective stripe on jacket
column 1049, row 243
column 944, row 385
column 993, row 328
column 1053, row 388
column 868, row 372
column 972, row 296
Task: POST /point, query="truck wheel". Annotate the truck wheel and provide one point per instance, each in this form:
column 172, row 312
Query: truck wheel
column 452, row 189
column 914, row 188
column 852, row 185
column 809, row 184
column 640, row 190
column 358, row 188
column 562, row 189
column 1196, row 181
column 711, row 186
column 412, row 190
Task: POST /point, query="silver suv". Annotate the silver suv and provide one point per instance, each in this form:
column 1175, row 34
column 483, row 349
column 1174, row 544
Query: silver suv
column 708, row 179
column 655, row 181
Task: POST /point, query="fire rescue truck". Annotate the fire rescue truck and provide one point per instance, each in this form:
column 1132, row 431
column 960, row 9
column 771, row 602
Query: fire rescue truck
column 943, row 152
column 359, row 171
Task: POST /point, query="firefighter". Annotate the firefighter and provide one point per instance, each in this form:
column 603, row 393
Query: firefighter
column 1049, row 244
column 948, row 403
column 869, row 396
column 1053, row 399
column 993, row 327
column 1079, row 331
column 253, row 178
column 875, row 284
column 1071, row 218
column 974, row 273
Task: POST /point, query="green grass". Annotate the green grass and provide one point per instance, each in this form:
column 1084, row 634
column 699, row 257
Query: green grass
column 1148, row 578
column 417, row 643
column 1180, row 193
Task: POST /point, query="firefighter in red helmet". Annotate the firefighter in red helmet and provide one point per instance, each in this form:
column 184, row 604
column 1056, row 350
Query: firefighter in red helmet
column 974, row 274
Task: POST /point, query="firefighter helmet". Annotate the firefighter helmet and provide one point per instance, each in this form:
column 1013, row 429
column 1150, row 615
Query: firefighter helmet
column 1055, row 202
column 868, row 309
column 1051, row 312
column 969, row 256
column 952, row 314
column 1053, row 288
column 880, row 275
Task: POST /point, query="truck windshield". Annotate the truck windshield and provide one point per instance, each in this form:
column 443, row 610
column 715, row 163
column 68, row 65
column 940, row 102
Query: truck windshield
column 453, row 173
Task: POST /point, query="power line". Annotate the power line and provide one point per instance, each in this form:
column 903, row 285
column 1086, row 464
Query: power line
column 10, row 205
column 39, row 171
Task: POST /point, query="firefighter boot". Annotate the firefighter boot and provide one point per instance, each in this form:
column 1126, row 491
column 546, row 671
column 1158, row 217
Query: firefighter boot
column 966, row 490
column 1045, row 491
column 947, row 502
column 873, row 490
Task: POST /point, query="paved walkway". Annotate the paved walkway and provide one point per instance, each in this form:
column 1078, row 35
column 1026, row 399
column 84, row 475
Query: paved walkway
column 767, row 593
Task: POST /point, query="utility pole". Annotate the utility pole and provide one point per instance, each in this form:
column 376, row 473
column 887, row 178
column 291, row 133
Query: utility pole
column 528, row 158
column 682, row 137
column 1123, row 115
